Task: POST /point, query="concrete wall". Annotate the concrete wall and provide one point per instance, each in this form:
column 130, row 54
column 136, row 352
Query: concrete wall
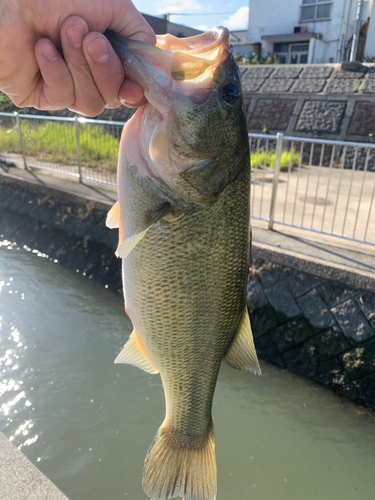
column 319, row 327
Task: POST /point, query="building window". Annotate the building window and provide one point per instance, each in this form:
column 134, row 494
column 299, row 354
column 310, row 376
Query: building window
column 315, row 10
column 281, row 51
column 291, row 53
column 299, row 53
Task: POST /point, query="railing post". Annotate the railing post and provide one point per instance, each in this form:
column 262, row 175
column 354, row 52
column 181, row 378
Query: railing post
column 20, row 139
column 76, row 123
column 275, row 183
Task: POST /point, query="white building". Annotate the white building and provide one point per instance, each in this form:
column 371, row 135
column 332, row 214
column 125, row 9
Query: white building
column 239, row 43
column 311, row 31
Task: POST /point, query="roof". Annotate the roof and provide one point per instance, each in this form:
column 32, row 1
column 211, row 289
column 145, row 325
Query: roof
column 161, row 26
column 285, row 37
column 233, row 37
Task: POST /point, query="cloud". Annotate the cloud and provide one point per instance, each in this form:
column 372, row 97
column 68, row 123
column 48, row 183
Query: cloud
column 183, row 6
column 202, row 27
column 239, row 20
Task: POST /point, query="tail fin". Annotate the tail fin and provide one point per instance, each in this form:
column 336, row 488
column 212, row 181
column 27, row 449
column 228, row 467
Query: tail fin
column 180, row 469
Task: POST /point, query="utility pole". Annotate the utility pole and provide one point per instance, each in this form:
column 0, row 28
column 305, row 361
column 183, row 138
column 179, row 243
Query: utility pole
column 340, row 49
column 353, row 51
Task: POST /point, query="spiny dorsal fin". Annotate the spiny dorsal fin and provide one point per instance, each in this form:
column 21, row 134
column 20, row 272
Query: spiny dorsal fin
column 241, row 354
column 113, row 217
column 134, row 354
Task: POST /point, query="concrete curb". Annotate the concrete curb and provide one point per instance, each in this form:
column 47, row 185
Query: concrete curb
column 317, row 267
column 20, row 479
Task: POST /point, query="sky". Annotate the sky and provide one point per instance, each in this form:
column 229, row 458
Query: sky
column 234, row 15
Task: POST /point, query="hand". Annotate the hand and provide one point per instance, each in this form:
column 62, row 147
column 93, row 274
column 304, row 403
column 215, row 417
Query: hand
column 32, row 70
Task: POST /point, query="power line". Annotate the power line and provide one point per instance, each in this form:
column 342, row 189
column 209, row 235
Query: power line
column 197, row 14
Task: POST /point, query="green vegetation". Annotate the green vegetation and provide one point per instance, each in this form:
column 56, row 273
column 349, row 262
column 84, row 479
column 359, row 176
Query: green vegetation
column 262, row 160
column 56, row 143
column 241, row 59
column 357, row 86
column 6, row 104
column 259, row 59
column 255, row 59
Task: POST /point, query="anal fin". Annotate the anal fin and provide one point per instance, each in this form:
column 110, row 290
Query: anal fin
column 241, row 354
column 134, row 354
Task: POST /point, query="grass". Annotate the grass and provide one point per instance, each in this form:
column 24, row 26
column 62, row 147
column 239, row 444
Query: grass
column 262, row 160
column 56, row 143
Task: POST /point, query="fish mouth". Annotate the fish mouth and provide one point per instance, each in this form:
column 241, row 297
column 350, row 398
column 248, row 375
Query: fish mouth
column 192, row 56
column 183, row 65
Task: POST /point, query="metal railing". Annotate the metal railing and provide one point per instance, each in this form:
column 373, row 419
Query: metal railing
column 317, row 185
column 78, row 147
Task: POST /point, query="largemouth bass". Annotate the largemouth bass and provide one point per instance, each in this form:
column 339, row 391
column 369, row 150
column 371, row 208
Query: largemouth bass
column 183, row 219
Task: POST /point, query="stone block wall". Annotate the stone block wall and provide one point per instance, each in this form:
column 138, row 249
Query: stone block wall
column 322, row 101
column 319, row 328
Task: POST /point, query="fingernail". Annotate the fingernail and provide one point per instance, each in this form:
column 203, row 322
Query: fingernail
column 99, row 51
column 49, row 52
column 75, row 35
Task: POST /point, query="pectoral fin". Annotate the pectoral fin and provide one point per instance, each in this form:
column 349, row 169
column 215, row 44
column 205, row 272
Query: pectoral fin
column 129, row 244
column 241, row 354
column 125, row 247
column 134, row 354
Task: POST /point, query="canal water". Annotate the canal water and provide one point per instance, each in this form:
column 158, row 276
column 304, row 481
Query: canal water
column 87, row 423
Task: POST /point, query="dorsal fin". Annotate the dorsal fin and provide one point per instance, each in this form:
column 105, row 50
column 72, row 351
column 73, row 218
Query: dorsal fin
column 241, row 354
column 134, row 354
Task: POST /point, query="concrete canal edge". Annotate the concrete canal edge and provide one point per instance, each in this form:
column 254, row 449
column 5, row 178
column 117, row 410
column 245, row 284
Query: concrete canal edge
column 312, row 305
column 20, row 479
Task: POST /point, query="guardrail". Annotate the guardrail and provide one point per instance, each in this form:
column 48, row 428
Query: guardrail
column 78, row 147
column 316, row 185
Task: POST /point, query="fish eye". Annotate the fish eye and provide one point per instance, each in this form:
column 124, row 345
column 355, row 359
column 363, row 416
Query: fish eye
column 230, row 93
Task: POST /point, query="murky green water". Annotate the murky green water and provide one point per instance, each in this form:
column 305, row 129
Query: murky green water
column 87, row 423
